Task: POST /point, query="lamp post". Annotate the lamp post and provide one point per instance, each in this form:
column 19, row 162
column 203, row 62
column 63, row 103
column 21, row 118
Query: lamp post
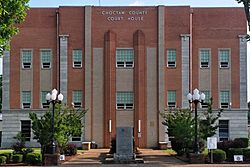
column 53, row 98
column 196, row 98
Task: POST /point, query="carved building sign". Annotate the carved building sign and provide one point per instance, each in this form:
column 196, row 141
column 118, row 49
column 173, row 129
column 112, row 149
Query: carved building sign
column 121, row 15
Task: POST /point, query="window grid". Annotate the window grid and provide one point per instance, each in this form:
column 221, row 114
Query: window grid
column 124, row 58
column 224, row 99
column 204, row 58
column 207, row 98
column 224, row 58
column 44, row 102
column 26, row 59
column 171, row 54
column 224, row 96
column 124, row 100
column 223, row 130
column 77, row 57
column 171, row 98
column 45, row 58
column 77, row 98
column 26, row 99
column 26, row 56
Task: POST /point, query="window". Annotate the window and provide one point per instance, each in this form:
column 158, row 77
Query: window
column 124, row 58
column 224, row 58
column 124, row 100
column 26, row 59
column 44, row 102
column 223, row 130
column 224, row 99
column 46, row 59
column 76, row 138
column 171, row 99
column 204, row 58
column 171, row 53
column 26, row 129
column 207, row 98
column 77, row 98
column 77, row 58
column 26, row 99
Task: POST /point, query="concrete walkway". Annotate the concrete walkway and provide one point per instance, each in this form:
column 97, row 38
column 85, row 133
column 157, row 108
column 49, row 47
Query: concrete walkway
column 151, row 157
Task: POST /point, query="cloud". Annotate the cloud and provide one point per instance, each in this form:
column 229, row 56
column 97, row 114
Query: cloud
column 137, row 3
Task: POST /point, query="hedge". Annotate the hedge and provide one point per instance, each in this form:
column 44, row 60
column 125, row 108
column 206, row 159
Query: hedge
column 7, row 155
column 218, row 155
column 17, row 158
column 33, row 158
column 234, row 151
column 3, row 160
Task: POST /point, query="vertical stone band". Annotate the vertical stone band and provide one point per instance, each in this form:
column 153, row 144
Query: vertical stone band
column 243, row 71
column 6, row 81
column 185, row 68
column 64, row 66
column 87, row 60
column 161, row 70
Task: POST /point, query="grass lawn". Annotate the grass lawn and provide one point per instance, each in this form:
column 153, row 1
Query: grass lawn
column 6, row 151
column 170, row 151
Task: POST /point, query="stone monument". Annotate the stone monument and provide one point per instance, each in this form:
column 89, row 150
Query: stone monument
column 124, row 144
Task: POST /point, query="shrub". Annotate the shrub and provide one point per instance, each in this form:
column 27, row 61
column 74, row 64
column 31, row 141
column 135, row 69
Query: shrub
column 18, row 147
column 243, row 140
column 218, row 155
column 246, row 154
column 70, row 149
column 7, row 155
column 234, row 151
column 17, row 158
column 113, row 146
column 33, row 158
column 25, row 152
column 3, row 160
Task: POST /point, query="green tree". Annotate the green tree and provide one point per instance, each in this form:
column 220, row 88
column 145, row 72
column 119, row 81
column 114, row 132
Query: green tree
column 207, row 122
column 248, row 115
column 12, row 13
column 68, row 122
column 1, row 88
column 246, row 4
column 180, row 125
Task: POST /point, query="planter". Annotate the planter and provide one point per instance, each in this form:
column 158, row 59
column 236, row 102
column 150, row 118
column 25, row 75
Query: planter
column 196, row 158
column 51, row 159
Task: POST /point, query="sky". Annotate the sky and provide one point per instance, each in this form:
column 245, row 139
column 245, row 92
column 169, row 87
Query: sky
column 193, row 3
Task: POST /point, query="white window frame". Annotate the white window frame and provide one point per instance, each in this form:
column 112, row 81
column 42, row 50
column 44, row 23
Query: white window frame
column 26, row 65
column 171, row 64
column 204, row 104
column 45, row 65
column 125, row 64
column 76, row 64
column 224, row 65
column 26, row 105
column 44, row 103
column 225, row 105
column 125, row 106
column 207, row 65
column 77, row 104
column 171, row 104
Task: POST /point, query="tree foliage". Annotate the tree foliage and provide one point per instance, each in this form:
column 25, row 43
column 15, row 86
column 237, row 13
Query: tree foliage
column 68, row 122
column 246, row 4
column 180, row 125
column 208, row 122
column 12, row 12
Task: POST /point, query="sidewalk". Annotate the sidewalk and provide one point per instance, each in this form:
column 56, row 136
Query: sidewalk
column 151, row 158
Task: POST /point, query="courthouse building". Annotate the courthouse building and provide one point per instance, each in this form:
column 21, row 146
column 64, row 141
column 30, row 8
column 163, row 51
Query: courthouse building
column 126, row 65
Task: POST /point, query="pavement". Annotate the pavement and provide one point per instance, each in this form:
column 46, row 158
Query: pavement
column 152, row 158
